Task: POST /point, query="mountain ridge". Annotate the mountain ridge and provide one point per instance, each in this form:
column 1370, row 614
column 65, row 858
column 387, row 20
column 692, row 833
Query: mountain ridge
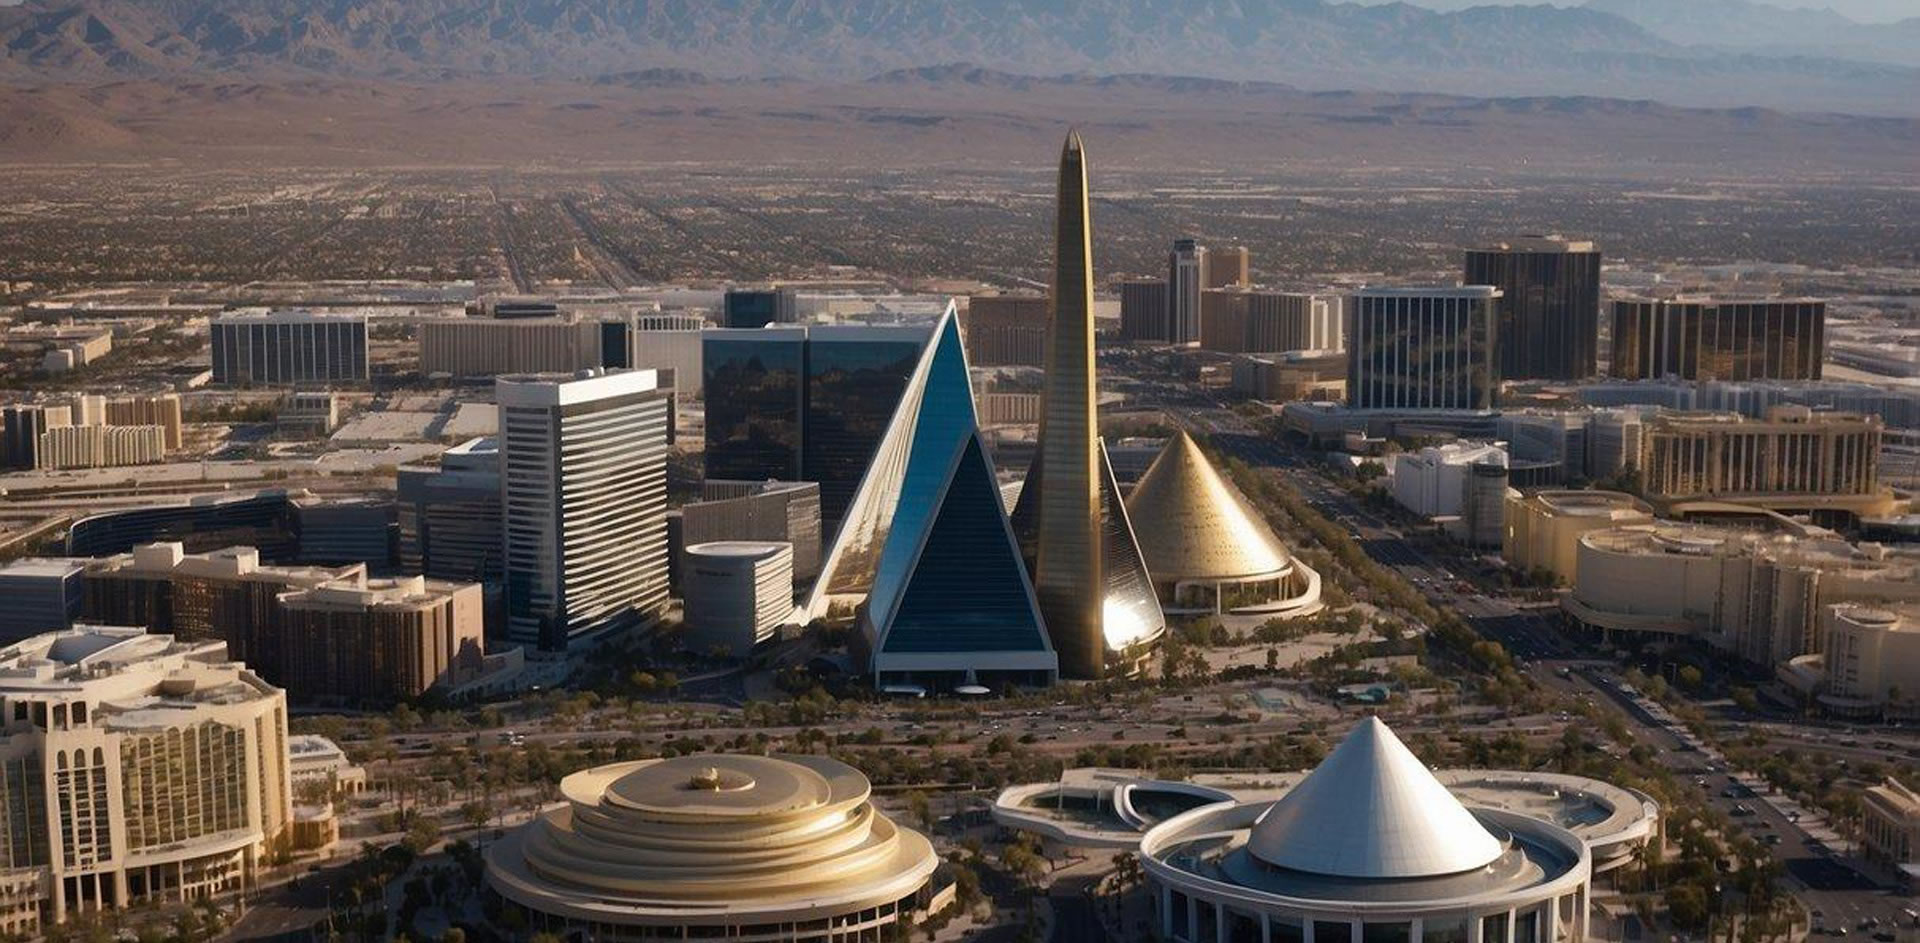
column 1485, row 50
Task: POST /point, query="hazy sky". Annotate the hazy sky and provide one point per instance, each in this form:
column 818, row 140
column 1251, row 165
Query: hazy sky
column 1866, row 11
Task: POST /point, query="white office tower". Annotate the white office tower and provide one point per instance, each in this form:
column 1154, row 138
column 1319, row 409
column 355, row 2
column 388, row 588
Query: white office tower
column 583, row 497
column 1186, row 266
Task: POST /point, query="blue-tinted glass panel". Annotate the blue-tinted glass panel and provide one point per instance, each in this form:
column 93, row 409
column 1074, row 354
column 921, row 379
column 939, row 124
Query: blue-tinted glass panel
column 968, row 590
column 942, row 419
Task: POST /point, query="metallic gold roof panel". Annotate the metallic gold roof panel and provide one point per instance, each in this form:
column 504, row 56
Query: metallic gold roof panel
column 713, row 838
column 1193, row 525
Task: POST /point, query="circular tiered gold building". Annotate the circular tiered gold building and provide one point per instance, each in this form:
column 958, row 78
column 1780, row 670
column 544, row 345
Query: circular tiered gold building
column 752, row 848
column 1205, row 549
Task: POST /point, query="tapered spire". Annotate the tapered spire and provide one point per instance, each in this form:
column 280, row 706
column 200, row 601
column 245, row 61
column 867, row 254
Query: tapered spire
column 1091, row 584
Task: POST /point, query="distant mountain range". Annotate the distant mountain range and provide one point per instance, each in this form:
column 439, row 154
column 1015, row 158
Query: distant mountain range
column 1619, row 48
column 1758, row 27
column 950, row 116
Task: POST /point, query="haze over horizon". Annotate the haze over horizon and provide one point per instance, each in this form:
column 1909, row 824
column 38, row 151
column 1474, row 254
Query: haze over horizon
column 1862, row 11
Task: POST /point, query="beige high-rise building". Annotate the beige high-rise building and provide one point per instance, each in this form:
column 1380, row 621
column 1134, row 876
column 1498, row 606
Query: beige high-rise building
column 137, row 768
column 1244, row 321
column 162, row 410
column 1827, row 464
column 102, row 446
column 482, row 347
column 1005, row 330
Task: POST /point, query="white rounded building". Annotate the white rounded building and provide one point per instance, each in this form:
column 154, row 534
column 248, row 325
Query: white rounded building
column 1369, row 848
column 747, row 848
column 736, row 594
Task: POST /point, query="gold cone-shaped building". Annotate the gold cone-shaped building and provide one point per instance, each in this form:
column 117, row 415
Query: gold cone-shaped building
column 1091, row 584
column 1207, row 549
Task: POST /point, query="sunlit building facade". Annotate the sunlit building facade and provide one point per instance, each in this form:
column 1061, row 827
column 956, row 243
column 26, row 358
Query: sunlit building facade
column 1093, row 586
column 1705, row 339
column 583, row 467
column 716, row 846
column 1208, row 550
column 1422, row 348
column 943, row 595
column 136, row 768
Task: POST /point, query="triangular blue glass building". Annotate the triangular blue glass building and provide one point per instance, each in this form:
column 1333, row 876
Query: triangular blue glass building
column 947, row 599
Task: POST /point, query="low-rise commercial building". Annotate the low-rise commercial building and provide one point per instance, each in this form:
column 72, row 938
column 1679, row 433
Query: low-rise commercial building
column 375, row 641
column 1890, row 824
column 137, row 768
column 1758, row 596
column 1544, row 528
column 309, row 415
column 318, row 763
column 1292, row 375
column 1795, row 460
column 772, row 511
column 1461, row 485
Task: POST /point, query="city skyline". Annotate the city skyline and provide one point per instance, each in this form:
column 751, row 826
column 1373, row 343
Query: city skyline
column 1288, row 472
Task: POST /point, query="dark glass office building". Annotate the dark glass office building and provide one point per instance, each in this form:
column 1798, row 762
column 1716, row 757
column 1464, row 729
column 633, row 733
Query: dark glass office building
column 1422, row 348
column 1549, row 309
column 756, row 395
column 1699, row 339
column 289, row 347
column 854, row 380
column 759, row 308
column 804, row 404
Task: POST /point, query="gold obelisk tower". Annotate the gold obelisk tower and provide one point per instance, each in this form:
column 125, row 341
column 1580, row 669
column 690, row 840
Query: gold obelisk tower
column 1091, row 584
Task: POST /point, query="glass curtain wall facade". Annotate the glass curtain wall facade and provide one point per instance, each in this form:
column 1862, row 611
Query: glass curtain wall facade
column 804, row 404
column 285, row 349
column 1416, row 348
column 855, row 378
column 1549, row 310
column 756, row 383
column 1719, row 340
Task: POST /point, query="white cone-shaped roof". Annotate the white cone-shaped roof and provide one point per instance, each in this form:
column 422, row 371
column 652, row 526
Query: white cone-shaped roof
column 1372, row 810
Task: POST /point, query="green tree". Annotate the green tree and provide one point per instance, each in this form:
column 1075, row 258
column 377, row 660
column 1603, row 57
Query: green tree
column 1687, row 906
